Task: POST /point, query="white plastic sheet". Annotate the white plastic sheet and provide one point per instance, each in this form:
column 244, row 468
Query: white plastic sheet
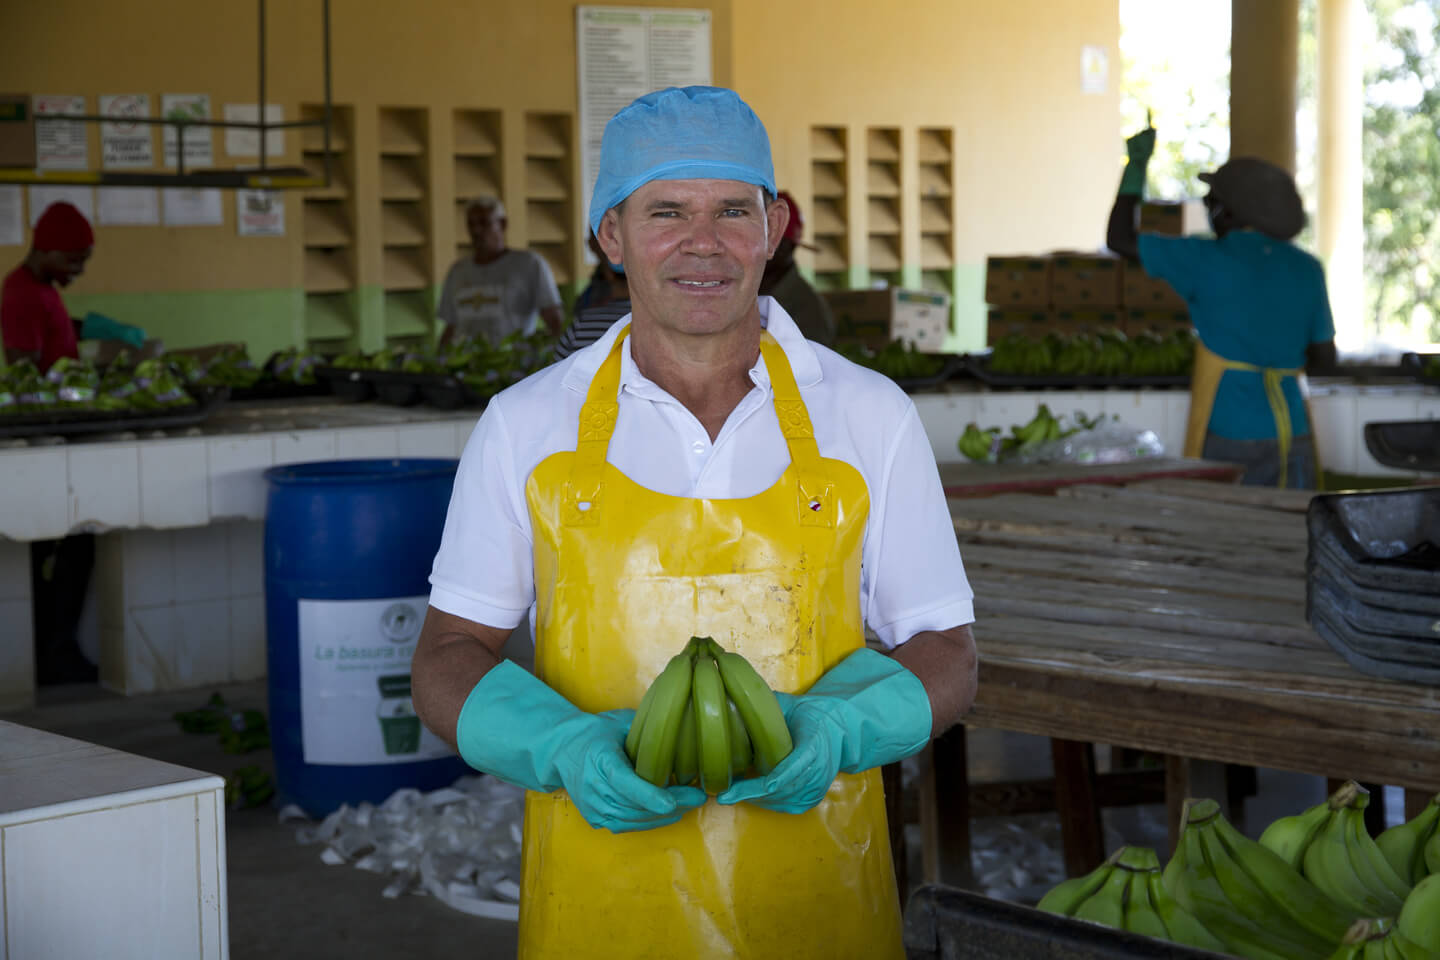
column 460, row 844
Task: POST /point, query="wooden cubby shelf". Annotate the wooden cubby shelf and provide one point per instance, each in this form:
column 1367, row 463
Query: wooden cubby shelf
column 829, row 200
column 327, row 230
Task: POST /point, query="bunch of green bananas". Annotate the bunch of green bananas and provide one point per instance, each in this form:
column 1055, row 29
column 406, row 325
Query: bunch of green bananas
column 1249, row 896
column 898, row 359
column 1417, row 929
column 979, row 445
column 1126, row 892
column 1413, row 847
column 1042, row 428
column 1329, row 845
column 708, row 715
column 1376, row 939
column 1027, row 356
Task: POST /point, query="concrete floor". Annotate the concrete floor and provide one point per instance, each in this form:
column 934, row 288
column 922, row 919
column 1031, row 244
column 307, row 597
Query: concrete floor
column 284, row 902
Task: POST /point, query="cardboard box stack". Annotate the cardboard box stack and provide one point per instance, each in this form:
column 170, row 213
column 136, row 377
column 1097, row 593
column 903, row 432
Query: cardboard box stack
column 875, row 317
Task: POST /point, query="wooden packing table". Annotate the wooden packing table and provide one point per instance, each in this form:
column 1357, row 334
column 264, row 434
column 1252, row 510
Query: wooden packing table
column 1166, row 616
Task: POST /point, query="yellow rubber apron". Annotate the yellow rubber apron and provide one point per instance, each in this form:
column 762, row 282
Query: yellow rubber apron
column 1205, row 379
column 624, row 576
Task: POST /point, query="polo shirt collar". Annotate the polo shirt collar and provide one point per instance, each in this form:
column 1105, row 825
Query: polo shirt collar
column 804, row 364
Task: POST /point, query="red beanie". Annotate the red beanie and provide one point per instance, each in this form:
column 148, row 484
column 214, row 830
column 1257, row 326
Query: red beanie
column 63, row 227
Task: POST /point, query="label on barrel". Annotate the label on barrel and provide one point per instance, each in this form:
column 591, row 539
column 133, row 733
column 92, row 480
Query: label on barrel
column 355, row 682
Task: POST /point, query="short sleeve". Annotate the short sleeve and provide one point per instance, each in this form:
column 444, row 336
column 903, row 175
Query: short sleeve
column 484, row 571
column 912, row 577
column 1179, row 261
column 546, row 293
column 22, row 320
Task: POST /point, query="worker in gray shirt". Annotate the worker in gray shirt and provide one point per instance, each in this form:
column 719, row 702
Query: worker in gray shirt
column 496, row 291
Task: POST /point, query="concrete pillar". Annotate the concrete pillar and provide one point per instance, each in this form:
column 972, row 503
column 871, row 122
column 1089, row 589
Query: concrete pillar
column 1340, row 214
column 1264, row 61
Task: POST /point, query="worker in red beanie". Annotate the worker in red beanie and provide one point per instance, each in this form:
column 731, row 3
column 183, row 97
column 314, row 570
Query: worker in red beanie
column 783, row 281
column 33, row 320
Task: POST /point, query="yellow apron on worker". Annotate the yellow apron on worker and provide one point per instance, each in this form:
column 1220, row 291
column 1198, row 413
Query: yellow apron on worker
column 1205, row 379
column 624, row 576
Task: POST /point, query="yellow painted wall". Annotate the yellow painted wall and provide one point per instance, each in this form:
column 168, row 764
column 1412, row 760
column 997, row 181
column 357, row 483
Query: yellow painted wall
column 1036, row 159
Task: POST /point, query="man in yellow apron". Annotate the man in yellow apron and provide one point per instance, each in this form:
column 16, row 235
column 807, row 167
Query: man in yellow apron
column 700, row 470
column 1259, row 305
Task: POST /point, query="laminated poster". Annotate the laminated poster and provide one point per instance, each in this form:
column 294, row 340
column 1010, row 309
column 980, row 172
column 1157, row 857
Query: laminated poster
column 199, row 151
column 125, row 144
column 12, row 216
column 260, row 213
column 60, row 144
column 246, row 143
column 129, row 206
column 192, row 207
column 42, row 196
column 627, row 52
column 355, row 682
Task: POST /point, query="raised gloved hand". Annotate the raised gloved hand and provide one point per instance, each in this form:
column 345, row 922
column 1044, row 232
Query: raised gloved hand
column 865, row 712
column 97, row 326
column 515, row 727
column 1139, row 150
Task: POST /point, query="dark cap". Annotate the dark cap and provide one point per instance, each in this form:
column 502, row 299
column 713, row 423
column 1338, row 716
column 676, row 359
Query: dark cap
column 1259, row 195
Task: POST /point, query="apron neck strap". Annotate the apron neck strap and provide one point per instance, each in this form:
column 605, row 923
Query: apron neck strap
column 601, row 409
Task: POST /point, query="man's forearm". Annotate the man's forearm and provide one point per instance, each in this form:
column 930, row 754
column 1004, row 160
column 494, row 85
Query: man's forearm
column 1121, row 234
column 946, row 663
column 451, row 657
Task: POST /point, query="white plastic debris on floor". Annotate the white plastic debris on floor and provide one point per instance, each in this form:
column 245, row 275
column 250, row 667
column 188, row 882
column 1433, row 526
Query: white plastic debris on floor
column 460, row 844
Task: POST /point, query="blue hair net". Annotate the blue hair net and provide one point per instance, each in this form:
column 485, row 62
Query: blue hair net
column 680, row 133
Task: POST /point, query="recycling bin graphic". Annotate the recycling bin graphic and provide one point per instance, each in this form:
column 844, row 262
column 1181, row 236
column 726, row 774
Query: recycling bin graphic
column 399, row 726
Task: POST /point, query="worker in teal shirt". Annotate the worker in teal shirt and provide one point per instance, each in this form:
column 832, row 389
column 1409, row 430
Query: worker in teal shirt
column 1259, row 305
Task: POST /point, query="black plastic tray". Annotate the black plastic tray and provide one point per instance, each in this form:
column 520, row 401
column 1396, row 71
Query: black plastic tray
column 1413, row 364
column 979, row 368
column 944, row 922
column 1328, row 560
column 77, row 422
column 1393, row 635
column 1361, row 535
column 1355, row 647
column 1405, row 444
column 348, row 384
column 953, row 366
column 267, row 389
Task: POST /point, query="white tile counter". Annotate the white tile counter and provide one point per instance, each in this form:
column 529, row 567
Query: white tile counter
column 107, row 854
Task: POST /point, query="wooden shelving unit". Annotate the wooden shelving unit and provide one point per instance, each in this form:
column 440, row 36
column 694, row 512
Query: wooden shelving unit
column 882, row 201
column 828, row 199
column 477, row 165
column 549, row 192
column 327, row 228
column 407, row 250
column 934, row 150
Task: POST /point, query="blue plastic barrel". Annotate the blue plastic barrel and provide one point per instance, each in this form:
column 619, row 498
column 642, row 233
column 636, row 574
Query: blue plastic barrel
column 348, row 550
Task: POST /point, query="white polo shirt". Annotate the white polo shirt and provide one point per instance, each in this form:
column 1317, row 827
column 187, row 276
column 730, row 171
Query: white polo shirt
column 911, row 575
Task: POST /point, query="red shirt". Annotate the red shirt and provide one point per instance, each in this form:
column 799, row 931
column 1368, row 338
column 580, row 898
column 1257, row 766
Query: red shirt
column 33, row 317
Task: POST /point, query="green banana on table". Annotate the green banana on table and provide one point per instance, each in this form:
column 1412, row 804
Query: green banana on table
column 1406, row 845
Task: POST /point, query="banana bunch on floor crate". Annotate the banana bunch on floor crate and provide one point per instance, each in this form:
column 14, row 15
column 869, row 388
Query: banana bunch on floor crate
column 709, row 715
column 1315, row 885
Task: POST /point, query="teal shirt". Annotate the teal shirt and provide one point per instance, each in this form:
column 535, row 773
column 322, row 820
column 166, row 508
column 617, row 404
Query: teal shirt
column 1254, row 299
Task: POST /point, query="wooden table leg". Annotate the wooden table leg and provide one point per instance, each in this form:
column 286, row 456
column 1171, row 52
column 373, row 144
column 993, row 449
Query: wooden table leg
column 1080, row 827
column 950, row 843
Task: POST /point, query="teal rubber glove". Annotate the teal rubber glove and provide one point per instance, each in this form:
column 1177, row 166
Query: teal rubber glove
column 866, row 712
column 97, row 326
column 515, row 727
column 1139, row 149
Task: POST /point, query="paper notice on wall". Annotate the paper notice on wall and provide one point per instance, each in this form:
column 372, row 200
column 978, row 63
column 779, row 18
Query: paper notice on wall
column 83, row 198
column 60, row 144
column 125, row 144
column 627, row 52
column 260, row 213
column 240, row 142
column 12, row 216
column 129, row 206
column 1094, row 69
column 192, row 207
column 199, row 150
